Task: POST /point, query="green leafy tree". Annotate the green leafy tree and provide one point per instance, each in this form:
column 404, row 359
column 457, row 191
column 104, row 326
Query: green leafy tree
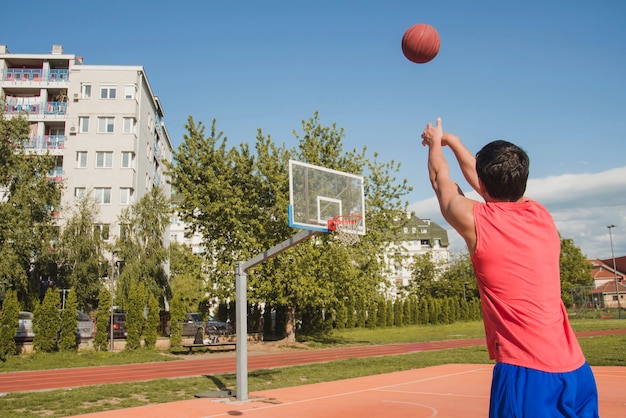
column 134, row 315
column 103, row 318
column 458, row 279
column 142, row 249
column 9, row 324
column 424, row 282
column 69, row 323
column 575, row 269
column 239, row 206
column 177, row 316
column 46, row 322
column 28, row 203
column 80, row 254
column 187, row 279
column 152, row 321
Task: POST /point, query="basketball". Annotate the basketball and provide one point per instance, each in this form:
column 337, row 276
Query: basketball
column 420, row 43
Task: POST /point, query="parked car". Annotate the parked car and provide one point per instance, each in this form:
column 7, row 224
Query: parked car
column 85, row 327
column 119, row 325
column 25, row 327
column 192, row 322
column 215, row 327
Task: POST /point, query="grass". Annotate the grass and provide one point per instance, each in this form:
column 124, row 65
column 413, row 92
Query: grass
column 600, row 351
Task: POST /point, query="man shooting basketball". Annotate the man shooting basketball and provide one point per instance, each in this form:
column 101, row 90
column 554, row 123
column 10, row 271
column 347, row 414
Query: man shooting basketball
column 514, row 245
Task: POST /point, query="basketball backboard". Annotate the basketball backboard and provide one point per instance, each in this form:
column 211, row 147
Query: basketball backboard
column 319, row 194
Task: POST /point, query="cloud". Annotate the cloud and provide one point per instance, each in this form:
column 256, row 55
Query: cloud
column 582, row 206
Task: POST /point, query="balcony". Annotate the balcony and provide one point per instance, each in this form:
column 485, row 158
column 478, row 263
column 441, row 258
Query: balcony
column 35, row 75
column 47, row 108
column 47, row 142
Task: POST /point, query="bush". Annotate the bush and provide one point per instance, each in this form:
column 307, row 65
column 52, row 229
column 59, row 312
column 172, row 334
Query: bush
column 102, row 320
column 69, row 323
column 46, row 322
column 9, row 324
column 152, row 322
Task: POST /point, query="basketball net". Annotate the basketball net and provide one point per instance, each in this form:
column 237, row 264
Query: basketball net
column 346, row 228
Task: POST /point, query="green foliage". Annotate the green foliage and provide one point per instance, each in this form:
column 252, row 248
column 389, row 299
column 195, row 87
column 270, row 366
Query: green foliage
column 134, row 315
column 69, row 323
column 46, row 322
column 9, row 324
column 27, row 207
column 102, row 320
column 177, row 316
column 152, row 322
column 246, row 193
column 79, row 254
column 575, row 269
column 186, row 276
column 141, row 247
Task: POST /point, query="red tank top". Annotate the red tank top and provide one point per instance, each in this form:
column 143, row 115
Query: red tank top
column 517, row 267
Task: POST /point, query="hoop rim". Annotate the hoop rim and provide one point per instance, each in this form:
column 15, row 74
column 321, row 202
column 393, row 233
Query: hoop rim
column 346, row 219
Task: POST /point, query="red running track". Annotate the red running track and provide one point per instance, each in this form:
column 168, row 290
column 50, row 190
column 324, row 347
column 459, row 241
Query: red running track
column 84, row 376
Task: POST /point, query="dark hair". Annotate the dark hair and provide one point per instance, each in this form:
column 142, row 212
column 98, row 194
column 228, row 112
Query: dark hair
column 503, row 169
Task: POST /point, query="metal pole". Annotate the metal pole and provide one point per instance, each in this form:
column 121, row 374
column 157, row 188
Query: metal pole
column 112, row 284
column 242, row 331
column 619, row 305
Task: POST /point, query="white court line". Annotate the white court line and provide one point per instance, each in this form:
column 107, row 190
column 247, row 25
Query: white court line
column 381, row 388
column 435, row 411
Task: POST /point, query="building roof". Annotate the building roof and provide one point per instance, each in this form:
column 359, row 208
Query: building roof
column 609, row 287
column 620, row 264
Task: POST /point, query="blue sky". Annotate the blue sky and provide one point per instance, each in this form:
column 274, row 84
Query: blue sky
column 547, row 75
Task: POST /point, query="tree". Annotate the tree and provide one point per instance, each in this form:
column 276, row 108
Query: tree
column 152, row 322
column 102, row 319
column 141, row 247
column 69, row 323
column 177, row 315
column 134, row 315
column 237, row 199
column 458, row 279
column 46, row 322
column 187, row 279
column 424, row 282
column 575, row 269
column 28, row 202
column 80, row 253
column 9, row 324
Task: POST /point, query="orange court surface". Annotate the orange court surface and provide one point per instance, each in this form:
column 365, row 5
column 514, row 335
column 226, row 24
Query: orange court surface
column 452, row 390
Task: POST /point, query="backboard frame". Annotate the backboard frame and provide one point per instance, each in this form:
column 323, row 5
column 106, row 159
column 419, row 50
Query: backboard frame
column 318, row 194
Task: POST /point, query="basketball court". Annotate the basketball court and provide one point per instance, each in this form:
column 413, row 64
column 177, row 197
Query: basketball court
column 452, row 390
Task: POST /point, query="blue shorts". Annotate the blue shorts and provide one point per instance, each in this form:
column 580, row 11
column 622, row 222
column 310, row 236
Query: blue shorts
column 523, row 392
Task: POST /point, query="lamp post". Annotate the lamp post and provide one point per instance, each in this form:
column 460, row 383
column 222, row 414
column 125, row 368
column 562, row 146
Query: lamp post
column 619, row 305
column 112, row 286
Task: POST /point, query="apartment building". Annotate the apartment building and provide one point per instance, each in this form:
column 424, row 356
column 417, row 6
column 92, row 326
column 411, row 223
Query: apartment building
column 419, row 236
column 103, row 123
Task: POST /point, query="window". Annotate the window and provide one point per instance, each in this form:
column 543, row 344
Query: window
column 413, row 230
column 102, row 195
column 405, row 230
column 85, row 91
column 425, row 242
column 127, row 159
column 128, row 127
column 126, row 193
column 102, row 229
column 83, row 124
column 107, row 92
column 423, row 230
column 104, row 159
column 81, row 159
column 129, row 91
column 79, row 193
column 106, row 125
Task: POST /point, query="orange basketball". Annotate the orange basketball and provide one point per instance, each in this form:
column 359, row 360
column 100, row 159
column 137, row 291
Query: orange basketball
column 420, row 43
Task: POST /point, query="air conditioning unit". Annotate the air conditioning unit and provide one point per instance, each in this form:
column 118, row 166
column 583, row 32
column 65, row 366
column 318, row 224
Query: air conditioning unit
column 75, row 97
column 72, row 129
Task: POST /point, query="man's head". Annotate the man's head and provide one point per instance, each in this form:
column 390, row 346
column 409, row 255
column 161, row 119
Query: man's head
column 502, row 167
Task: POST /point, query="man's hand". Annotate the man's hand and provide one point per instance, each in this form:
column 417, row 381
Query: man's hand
column 433, row 134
